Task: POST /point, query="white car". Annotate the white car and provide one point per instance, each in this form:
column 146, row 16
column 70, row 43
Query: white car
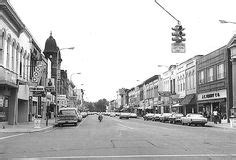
column 124, row 115
column 112, row 114
column 194, row 119
column 133, row 115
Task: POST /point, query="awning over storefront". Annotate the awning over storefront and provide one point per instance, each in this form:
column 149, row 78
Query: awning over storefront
column 189, row 99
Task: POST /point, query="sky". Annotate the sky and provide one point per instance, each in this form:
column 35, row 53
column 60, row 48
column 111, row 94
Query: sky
column 120, row 43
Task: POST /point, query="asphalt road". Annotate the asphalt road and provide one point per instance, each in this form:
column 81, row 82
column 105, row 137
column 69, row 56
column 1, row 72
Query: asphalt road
column 123, row 139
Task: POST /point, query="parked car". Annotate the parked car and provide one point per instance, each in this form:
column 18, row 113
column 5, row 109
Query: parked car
column 80, row 117
column 133, row 115
column 175, row 118
column 148, row 116
column 84, row 114
column 117, row 113
column 68, row 116
column 194, row 119
column 156, row 117
column 112, row 114
column 124, row 115
column 165, row 117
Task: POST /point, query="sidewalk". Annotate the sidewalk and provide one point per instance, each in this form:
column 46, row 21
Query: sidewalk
column 223, row 124
column 27, row 127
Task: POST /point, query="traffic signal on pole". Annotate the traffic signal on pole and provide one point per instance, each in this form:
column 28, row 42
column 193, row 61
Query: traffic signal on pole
column 178, row 34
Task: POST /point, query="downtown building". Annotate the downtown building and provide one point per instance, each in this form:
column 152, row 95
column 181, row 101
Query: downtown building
column 214, row 83
column 19, row 54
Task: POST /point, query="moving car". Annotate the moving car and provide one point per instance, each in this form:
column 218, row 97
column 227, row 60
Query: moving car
column 176, row 117
column 148, row 116
column 165, row 117
column 124, row 115
column 194, row 119
column 68, row 116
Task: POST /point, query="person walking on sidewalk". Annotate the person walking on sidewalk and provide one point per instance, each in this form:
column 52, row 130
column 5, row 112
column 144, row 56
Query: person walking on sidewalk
column 215, row 116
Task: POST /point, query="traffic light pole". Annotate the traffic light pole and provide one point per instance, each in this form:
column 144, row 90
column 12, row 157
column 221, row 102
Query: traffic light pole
column 168, row 12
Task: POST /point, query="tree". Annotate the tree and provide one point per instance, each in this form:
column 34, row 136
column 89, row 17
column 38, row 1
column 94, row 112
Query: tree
column 100, row 105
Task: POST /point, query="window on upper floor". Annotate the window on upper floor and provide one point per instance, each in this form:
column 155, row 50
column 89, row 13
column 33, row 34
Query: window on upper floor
column 13, row 57
column 8, row 54
column 21, row 63
column 220, row 71
column 209, row 74
column 201, row 77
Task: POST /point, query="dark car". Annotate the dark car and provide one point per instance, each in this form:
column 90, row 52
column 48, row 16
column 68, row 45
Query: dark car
column 175, row 118
column 148, row 116
column 156, row 117
column 68, row 116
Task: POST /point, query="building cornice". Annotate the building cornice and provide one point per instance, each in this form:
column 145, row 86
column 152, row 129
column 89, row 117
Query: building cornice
column 6, row 7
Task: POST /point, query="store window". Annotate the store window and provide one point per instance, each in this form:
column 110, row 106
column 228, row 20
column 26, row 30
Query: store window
column 8, row 53
column 3, row 109
column 209, row 74
column 220, row 71
column 201, row 77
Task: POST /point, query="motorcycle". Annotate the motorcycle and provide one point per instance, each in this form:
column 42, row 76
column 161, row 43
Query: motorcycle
column 100, row 118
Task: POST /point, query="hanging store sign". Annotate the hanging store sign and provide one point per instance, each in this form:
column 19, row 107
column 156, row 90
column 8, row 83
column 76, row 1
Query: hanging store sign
column 38, row 72
column 50, row 85
column 38, row 91
column 212, row 95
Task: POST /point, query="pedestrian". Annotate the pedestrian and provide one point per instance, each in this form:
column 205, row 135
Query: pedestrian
column 215, row 116
column 219, row 117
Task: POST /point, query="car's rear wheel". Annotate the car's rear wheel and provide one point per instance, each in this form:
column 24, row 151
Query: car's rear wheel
column 189, row 124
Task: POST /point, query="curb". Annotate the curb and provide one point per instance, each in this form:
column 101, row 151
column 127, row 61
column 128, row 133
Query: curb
column 220, row 126
column 27, row 130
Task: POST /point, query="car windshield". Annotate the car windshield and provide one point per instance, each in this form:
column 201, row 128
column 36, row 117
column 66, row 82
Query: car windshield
column 196, row 115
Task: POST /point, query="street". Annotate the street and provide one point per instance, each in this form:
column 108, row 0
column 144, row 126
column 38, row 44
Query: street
column 123, row 139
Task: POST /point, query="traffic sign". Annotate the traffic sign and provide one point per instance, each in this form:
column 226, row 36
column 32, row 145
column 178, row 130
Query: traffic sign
column 178, row 47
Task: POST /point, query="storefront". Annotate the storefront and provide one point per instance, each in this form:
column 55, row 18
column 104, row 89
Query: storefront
column 4, row 108
column 212, row 101
column 189, row 104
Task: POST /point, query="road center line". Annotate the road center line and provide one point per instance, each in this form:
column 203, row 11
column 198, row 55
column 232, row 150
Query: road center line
column 147, row 156
column 125, row 126
column 2, row 138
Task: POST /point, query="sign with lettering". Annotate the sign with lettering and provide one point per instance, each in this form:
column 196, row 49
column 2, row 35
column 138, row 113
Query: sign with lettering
column 212, row 95
column 38, row 91
column 50, row 85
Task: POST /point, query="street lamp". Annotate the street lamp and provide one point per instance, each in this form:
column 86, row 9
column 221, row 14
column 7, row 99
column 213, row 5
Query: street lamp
column 73, row 74
column 224, row 21
column 57, row 78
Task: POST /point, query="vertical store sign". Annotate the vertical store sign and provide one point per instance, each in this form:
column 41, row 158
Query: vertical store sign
column 38, row 72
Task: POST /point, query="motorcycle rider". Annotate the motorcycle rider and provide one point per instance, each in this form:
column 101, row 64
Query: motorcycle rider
column 100, row 117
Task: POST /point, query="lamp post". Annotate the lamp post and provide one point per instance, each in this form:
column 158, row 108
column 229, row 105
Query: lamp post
column 57, row 78
column 73, row 74
column 232, row 48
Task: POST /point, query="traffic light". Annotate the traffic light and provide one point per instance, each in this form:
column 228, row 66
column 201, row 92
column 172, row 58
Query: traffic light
column 178, row 34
